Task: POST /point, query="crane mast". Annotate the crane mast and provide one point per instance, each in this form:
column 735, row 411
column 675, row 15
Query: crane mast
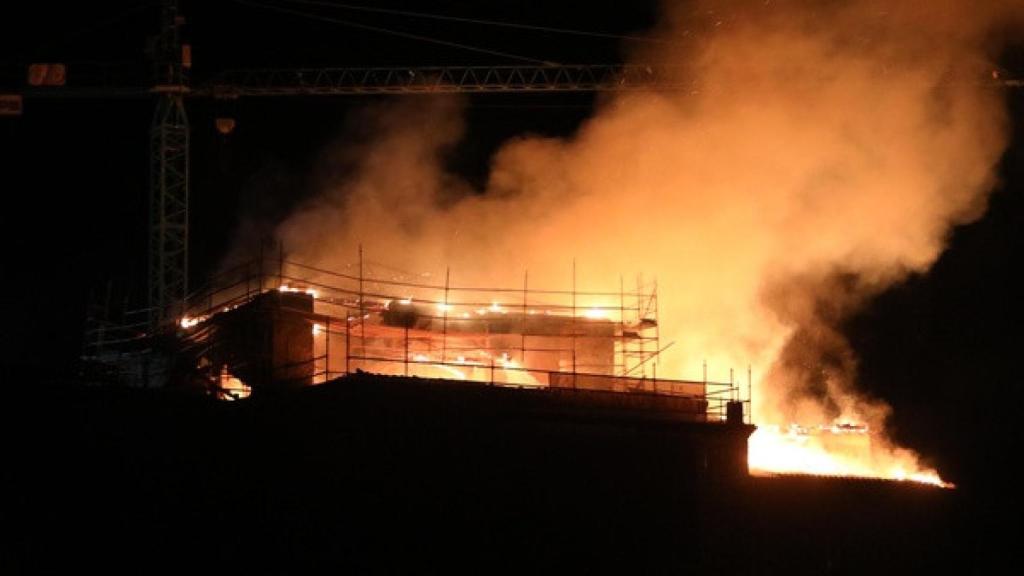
column 168, row 261
column 169, row 174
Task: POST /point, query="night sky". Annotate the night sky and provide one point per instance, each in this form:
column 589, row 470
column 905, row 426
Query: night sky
column 942, row 348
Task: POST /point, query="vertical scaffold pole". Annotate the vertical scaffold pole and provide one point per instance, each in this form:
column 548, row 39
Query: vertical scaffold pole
column 327, row 349
column 362, row 306
column 280, row 263
column 522, row 330
column 622, row 326
column 750, row 395
column 574, row 323
column 657, row 331
column 642, row 340
column 444, row 310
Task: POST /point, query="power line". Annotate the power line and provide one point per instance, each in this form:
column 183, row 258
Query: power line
column 398, row 33
column 481, row 21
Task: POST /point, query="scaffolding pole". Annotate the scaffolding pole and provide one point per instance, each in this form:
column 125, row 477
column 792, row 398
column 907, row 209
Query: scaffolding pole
column 574, row 323
column 444, row 310
column 362, row 306
column 522, row 330
column 360, row 293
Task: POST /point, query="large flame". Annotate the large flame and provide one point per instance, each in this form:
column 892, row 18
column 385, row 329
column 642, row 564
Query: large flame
column 836, row 450
column 822, row 154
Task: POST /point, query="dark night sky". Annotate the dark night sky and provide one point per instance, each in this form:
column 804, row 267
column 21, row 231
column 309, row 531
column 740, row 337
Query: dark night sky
column 942, row 348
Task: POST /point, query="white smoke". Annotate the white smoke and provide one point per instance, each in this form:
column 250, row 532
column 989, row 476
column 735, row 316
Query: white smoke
column 824, row 153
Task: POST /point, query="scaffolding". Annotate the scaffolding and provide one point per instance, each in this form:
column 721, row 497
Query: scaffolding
column 378, row 320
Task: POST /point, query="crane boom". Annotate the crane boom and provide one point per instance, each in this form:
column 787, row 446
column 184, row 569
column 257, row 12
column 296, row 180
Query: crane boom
column 403, row 80
column 443, row 79
column 169, row 133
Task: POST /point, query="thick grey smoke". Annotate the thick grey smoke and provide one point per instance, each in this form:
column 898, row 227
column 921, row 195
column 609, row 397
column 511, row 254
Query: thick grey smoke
column 824, row 153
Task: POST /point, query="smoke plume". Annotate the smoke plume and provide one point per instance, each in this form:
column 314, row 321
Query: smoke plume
column 824, row 152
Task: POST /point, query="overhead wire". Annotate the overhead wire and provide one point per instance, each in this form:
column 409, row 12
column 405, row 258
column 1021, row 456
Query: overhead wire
column 480, row 21
column 392, row 32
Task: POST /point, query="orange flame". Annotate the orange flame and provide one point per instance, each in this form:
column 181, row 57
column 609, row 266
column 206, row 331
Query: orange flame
column 837, row 157
column 836, row 450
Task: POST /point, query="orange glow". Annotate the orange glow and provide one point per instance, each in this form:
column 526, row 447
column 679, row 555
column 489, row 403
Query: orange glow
column 771, row 214
column 834, row 450
column 187, row 322
column 432, row 369
column 514, row 374
column 231, row 388
column 286, row 288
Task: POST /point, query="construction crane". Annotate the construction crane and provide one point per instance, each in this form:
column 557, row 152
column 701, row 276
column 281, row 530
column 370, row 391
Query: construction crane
column 169, row 173
column 168, row 257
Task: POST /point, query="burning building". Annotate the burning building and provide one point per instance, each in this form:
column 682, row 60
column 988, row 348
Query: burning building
column 269, row 329
column 309, row 325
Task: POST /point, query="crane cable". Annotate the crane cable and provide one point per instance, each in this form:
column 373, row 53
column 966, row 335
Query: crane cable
column 399, row 33
column 499, row 23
